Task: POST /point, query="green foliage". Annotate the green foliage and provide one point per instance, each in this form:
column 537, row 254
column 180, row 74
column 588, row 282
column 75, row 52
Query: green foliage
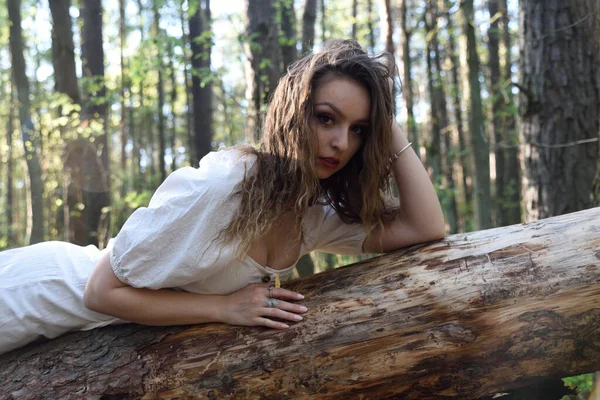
column 123, row 207
column 583, row 384
column 193, row 6
column 205, row 74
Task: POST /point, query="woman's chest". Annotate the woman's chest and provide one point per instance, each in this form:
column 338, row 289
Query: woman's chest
column 278, row 248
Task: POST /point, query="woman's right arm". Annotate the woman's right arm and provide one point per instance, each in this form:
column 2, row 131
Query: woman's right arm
column 106, row 294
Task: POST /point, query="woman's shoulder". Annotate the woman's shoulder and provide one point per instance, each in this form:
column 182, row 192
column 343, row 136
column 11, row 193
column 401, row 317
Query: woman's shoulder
column 219, row 173
column 229, row 158
column 225, row 166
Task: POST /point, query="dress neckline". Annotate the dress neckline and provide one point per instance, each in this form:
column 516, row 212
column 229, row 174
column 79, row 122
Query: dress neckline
column 268, row 269
column 302, row 252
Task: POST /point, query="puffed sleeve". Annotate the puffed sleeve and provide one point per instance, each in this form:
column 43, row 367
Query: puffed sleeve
column 335, row 236
column 171, row 242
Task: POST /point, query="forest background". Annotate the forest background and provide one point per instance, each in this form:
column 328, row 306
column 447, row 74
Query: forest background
column 101, row 100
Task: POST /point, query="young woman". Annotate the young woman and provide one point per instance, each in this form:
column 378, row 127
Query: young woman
column 214, row 239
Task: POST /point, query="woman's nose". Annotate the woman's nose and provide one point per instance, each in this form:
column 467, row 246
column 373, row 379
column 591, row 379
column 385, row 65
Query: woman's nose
column 339, row 139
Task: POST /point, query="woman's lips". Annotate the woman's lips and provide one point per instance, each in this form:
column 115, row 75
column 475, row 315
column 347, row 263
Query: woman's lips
column 329, row 162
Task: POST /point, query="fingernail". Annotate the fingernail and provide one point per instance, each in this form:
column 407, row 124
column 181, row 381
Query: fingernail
column 297, row 318
column 300, row 296
column 285, row 325
column 303, row 309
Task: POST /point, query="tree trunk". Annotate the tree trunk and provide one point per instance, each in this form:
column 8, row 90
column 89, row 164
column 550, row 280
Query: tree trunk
column 354, row 18
column 93, row 156
column 470, row 316
column 389, row 25
column 288, row 38
column 308, row 26
column 323, row 22
column 50, row 202
column 497, row 109
column 372, row 31
column 406, row 33
column 124, row 84
column 509, row 125
column 30, row 137
column 433, row 147
column 458, row 118
column 480, row 148
column 263, row 71
column 173, row 101
column 593, row 25
column 201, row 79
column 447, row 148
column 161, row 92
column 188, row 95
column 63, row 50
column 145, row 137
column 559, row 107
column 10, row 128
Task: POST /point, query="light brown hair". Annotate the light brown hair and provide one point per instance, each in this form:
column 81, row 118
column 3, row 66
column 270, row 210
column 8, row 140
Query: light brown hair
column 284, row 179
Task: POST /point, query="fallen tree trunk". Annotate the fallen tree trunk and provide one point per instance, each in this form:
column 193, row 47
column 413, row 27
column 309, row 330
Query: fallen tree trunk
column 469, row 316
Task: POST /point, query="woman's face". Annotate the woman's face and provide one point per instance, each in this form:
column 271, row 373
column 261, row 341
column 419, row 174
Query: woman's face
column 341, row 121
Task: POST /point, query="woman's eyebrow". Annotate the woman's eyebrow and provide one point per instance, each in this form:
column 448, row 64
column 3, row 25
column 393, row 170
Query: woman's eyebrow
column 337, row 110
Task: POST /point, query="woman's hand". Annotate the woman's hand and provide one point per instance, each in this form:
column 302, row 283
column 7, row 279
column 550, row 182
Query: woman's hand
column 250, row 307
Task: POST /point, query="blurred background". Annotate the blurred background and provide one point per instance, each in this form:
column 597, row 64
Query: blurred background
column 101, row 100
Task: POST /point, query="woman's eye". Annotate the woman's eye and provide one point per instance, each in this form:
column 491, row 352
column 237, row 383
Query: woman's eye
column 325, row 119
column 359, row 129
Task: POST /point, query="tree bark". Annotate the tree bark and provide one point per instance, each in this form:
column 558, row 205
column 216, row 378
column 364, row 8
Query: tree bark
column 371, row 31
column 65, row 81
column 480, row 148
column 509, row 125
column 188, row 95
column 161, row 92
column 63, row 50
column 263, row 69
column 593, row 26
column 201, row 44
column 458, row 115
column 309, row 18
column 124, row 85
column 323, row 22
column 434, row 146
column 10, row 128
column 93, row 156
column 288, row 39
column 448, row 198
column 173, row 101
column 470, row 316
column 559, row 107
column 354, row 18
column 497, row 109
column 389, row 25
column 29, row 136
column 407, row 92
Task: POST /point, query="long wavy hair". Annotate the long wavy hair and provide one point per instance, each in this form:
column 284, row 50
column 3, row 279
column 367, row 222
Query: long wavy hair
column 283, row 179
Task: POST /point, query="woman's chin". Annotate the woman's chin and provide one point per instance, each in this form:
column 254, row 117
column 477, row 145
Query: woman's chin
column 324, row 174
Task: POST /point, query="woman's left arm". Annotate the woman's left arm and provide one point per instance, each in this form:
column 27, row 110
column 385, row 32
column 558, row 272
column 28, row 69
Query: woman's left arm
column 420, row 217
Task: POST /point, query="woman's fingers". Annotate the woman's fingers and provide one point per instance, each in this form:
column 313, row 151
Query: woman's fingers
column 275, row 312
column 269, row 323
column 291, row 307
column 264, row 305
column 281, row 293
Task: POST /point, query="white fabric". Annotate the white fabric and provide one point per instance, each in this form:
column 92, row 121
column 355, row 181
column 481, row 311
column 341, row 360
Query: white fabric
column 172, row 243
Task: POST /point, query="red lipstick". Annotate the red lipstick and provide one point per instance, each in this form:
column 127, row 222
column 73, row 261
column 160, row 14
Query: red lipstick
column 329, row 162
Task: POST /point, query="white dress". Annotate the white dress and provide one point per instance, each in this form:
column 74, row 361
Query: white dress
column 169, row 244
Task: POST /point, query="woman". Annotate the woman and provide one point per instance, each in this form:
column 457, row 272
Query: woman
column 219, row 234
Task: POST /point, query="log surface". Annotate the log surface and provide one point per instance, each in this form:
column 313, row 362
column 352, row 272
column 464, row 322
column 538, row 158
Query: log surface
column 466, row 317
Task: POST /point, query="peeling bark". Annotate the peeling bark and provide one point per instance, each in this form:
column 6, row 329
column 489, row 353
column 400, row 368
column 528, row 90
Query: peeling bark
column 466, row 317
